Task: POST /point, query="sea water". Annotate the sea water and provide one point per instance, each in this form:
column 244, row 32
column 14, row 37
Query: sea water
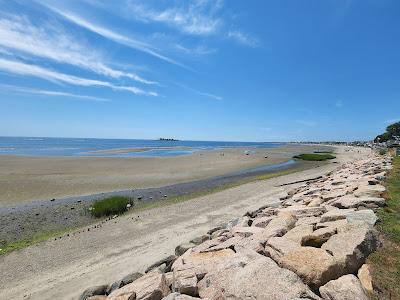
column 44, row 146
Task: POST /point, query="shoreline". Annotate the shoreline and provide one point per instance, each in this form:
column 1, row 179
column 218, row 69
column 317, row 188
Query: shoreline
column 23, row 179
column 28, row 221
column 112, row 249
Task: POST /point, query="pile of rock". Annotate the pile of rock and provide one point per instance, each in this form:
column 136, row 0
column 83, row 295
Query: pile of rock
column 311, row 246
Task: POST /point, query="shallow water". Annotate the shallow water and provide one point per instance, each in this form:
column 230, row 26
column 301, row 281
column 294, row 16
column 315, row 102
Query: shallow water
column 29, row 146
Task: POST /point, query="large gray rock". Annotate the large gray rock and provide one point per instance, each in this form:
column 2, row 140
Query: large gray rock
column 179, row 250
column 124, row 281
column 335, row 224
column 246, row 231
column 308, row 221
column 297, row 233
column 252, row 277
column 369, row 190
column 277, row 247
column 314, row 265
column 355, row 202
column 351, row 246
column 193, row 265
column 366, row 216
column 93, row 291
column 261, row 222
column 162, row 265
column 304, row 211
column 151, row 286
column 346, row 287
column 335, row 214
column 185, row 280
column 200, row 239
column 277, row 227
column 319, row 236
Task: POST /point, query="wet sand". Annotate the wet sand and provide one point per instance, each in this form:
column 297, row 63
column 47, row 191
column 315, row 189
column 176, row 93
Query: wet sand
column 63, row 268
column 23, row 179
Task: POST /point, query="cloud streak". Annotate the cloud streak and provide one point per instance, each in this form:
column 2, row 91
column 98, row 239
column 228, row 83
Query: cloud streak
column 50, row 42
column 195, row 18
column 215, row 97
column 21, row 68
column 112, row 35
column 24, row 90
column 243, row 38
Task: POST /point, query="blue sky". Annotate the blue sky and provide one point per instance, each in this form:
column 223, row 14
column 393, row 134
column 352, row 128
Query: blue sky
column 200, row 70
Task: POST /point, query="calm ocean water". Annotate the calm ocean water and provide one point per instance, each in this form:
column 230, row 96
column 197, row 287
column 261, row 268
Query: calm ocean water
column 38, row 146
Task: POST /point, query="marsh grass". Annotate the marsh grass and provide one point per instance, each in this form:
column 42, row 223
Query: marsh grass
column 314, row 156
column 20, row 244
column 385, row 263
column 114, row 205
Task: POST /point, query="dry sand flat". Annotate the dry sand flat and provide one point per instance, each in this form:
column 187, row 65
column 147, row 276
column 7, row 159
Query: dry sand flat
column 23, row 179
column 62, row 269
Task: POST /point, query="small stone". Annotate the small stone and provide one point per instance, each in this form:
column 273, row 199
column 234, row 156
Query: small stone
column 365, row 278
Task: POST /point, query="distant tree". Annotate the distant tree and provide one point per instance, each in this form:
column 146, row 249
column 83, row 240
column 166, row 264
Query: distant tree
column 392, row 133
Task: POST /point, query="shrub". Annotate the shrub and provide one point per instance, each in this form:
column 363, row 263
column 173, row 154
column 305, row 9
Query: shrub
column 382, row 151
column 314, row 157
column 110, row 206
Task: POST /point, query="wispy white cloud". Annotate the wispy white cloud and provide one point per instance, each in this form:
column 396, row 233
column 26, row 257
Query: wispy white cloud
column 191, row 17
column 199, row 50
column 113, row 35
column 50, row 42
column 24, row 90
column 21, row 68
column 243, row 38
column 196, row 18
column 209, row 95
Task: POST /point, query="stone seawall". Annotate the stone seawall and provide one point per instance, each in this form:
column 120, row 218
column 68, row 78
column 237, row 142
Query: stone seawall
column 311, row 245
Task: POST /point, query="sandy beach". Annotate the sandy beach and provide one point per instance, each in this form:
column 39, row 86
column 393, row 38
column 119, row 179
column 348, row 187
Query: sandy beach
column 133, row 241
column 23, row 179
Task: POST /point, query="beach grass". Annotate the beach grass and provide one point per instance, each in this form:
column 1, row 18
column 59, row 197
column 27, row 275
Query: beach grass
column 314, row 156
column 114, row 205
column 23, row 243
column 385, row 263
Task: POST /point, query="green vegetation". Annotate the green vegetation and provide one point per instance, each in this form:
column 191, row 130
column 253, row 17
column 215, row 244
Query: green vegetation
column 385, row 263
column 314, row 157
column 19, row 244
column 382, row 151
column 110, row 206
column 392, row 131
